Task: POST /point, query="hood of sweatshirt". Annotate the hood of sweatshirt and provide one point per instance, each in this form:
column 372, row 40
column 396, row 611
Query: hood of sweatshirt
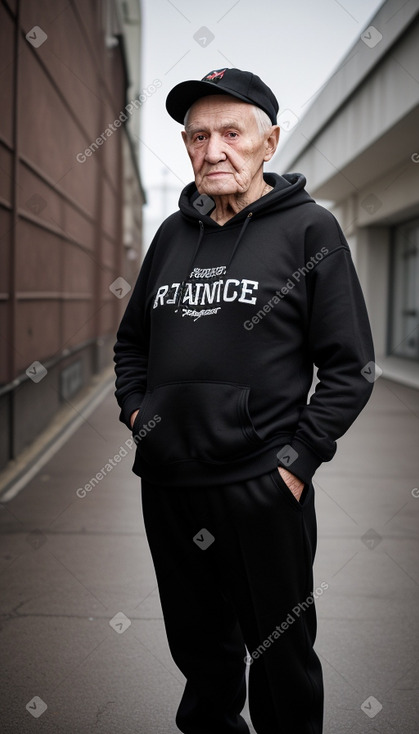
column 288, row 191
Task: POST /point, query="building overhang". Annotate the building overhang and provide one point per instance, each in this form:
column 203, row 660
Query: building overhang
column 364, row 122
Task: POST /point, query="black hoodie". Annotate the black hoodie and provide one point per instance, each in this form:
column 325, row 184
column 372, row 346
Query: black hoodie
column 218, row 341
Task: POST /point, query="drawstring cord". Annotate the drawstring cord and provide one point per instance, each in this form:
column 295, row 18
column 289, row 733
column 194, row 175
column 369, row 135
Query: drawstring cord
column 182, row 285
column 181, row 288
column 242, row 231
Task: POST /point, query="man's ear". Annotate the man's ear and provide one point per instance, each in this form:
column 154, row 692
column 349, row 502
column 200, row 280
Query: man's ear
column 271, row 143
column 184, row 136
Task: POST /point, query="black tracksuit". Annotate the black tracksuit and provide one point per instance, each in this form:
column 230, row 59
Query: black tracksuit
column 216, row 349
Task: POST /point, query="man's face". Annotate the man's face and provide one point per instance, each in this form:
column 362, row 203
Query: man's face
column 224, row 144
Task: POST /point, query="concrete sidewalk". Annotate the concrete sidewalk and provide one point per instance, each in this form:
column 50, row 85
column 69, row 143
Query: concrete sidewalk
column 82, row 630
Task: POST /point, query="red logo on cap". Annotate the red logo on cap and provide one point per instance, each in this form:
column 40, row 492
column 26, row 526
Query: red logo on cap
column 215, row 75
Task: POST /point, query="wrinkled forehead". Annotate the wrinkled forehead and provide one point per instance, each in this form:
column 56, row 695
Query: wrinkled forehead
column 218, row 110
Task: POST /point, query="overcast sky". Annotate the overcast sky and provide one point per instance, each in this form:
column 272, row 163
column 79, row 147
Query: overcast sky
column 293, row 45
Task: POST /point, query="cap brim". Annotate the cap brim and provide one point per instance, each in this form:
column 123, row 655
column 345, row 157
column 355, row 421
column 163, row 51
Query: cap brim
column 182, row 97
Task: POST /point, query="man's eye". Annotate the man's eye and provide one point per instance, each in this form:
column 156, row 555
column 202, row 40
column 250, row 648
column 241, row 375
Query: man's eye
column 200, row 138
column 232, row 135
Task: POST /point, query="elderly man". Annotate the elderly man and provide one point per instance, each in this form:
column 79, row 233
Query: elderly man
column 242, row 291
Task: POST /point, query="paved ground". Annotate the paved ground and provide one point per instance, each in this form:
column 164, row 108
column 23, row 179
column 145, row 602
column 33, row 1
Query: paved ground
column 70, row 563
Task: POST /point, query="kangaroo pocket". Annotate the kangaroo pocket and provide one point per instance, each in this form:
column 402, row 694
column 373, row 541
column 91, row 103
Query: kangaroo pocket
column 199, row 421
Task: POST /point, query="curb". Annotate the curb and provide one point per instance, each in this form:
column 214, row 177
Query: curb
column 19, row 472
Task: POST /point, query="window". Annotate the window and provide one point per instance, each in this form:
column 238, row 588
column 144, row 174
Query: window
column 404, row 292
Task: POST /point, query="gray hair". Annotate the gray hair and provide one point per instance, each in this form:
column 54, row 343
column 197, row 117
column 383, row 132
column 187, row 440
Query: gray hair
column 262, row 119
column 263, row 122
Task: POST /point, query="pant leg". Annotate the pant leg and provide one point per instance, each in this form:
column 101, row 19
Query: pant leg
column 201, row 625
column 266, row 542
column 258, row 570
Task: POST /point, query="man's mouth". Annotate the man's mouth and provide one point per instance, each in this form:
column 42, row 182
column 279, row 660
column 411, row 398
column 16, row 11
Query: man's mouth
column 218, row 173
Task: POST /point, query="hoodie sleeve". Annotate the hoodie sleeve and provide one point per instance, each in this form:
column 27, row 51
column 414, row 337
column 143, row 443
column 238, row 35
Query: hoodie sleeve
column 340, row 346
column 131, row 348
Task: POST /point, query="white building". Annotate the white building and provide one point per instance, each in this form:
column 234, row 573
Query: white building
column 358, row 146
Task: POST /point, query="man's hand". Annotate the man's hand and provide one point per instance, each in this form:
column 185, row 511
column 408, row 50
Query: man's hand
column 133, row 417
column 294, row 484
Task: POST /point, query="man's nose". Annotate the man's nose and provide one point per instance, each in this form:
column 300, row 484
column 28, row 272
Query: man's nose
column 215, row 150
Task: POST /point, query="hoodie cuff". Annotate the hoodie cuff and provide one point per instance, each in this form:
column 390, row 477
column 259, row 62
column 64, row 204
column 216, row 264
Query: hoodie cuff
column 299, row 460
column 131, row 404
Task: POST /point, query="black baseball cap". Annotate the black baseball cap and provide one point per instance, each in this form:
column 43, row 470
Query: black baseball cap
column 243, row 85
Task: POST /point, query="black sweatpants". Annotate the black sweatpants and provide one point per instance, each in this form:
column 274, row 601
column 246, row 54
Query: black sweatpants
column 234, row 569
